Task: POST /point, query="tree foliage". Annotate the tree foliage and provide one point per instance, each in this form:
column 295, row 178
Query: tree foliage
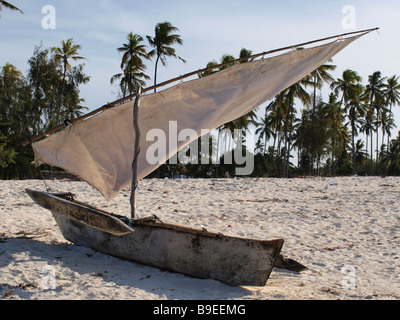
column 326, row 135
column 30, row 104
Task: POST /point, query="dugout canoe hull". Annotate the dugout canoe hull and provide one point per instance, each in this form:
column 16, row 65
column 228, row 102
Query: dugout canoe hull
column 194, row 252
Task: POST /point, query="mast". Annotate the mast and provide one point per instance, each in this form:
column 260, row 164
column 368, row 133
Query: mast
column 136, row 150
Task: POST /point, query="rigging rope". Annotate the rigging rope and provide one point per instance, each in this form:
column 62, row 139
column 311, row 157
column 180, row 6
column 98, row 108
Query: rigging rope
column 48, row 188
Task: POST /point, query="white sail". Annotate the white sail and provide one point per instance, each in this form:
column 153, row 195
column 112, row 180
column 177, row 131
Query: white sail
column 100, row 150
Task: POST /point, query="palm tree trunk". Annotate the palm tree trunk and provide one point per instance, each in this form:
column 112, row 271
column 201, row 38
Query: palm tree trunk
column 279, row 144
column 289, row 139
column 372, row 152
column 217, row 156
column 314, row 99
column 265, row 144
column 285, row 130
column 383, row 141
column 130, row 84
column 240, row 144
column 155, row 73
column 313, row 119
column 62, row 95
column 273, row 146
column 377, row 150
column 387, row 144
column 388, row 138
column 353, row 145
column 333, row 156
column 366, row 145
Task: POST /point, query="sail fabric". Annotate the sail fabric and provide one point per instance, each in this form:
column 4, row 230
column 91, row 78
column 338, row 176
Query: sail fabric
column 100, row 149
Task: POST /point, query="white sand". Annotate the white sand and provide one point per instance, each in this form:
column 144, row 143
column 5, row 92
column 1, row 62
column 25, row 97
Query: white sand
column 327, row 223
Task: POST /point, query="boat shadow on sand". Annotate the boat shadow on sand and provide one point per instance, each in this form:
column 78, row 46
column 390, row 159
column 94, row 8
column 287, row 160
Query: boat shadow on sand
column 81, row 273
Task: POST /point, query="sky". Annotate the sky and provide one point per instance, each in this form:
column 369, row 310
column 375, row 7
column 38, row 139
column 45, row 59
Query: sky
column 208, row 28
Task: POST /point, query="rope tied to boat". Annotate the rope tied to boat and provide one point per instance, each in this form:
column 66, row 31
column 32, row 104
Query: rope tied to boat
column 48, row 188
column 157, row 219
column 68, row 123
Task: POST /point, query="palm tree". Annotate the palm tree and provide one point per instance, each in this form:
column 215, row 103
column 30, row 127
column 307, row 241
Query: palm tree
column 228, row 126
column 133, row 51
column 68, row 50
column 10, row 77
column 123, row 82
column 304, row 139
column 374, row 91
column 368, row 128
column 392, row 94
column 393, row 161
column 244, row 53
column 8, row 5
column 320, row 76
column 243, row 122
column 132, row 64
column 387, row 124
column 225, row 59
column 162, row 42
column 361, row 156
column 75, row 111
column 251, row 117
column 355, row 110
column 265, row 130
column 317, row 78
column 335, row 116
column 347, row 87
column 128, row 79
column 9, row 73
column 295, row 91
column 277, row 111
column 210, row 71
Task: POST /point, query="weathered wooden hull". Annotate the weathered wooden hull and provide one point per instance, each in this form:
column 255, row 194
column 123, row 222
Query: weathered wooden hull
column 198, row 253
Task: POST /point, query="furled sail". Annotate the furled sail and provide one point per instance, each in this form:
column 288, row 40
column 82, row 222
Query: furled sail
column 100, row 149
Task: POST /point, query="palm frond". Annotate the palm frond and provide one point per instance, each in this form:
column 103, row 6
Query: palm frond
column 8, row 5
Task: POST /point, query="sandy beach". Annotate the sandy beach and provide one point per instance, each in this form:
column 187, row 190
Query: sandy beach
column 345, row 230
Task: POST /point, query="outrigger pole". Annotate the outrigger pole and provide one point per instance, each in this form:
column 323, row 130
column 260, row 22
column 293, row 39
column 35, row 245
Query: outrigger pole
column 130, row 97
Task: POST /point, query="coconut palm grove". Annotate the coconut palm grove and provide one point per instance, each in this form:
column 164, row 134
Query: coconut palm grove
column 320, row 126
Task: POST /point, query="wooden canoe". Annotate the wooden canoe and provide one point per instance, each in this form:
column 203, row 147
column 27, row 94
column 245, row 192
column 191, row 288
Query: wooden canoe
column 198, row 253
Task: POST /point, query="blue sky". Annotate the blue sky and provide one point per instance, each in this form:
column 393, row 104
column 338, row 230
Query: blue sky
column 208, row 29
